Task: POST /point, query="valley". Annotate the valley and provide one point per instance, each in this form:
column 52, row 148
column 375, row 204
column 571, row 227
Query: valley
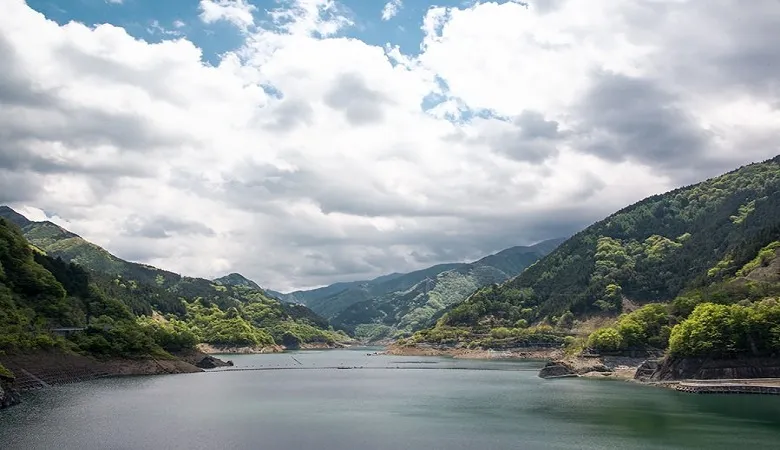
column 690, row 275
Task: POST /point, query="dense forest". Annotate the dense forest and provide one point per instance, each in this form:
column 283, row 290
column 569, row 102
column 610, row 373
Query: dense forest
column 42, row 288
column 38, row 293
column 699, row 258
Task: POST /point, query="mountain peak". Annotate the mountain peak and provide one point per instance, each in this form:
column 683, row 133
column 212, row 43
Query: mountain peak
column 10, row 214
column 236, row 279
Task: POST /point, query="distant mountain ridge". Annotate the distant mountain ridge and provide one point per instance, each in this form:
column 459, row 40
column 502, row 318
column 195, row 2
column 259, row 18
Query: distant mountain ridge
column 399, row 304
column 332, row 299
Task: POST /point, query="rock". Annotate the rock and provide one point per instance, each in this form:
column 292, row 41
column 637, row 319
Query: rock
column 597, row 374
column 556, row 369
column 711, row 368
column 594, row 368
column 8, row 395
column 210, row 362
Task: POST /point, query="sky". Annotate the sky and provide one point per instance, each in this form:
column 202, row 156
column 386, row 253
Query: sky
column 304, row 142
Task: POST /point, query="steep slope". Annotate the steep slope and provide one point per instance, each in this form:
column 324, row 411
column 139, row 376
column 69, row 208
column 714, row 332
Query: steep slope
column 403, row 312
column 38, row 294
column 236, row 312
column 648, row 252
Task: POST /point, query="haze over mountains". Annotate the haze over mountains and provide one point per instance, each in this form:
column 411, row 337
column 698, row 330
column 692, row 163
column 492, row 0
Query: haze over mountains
column 404, row 303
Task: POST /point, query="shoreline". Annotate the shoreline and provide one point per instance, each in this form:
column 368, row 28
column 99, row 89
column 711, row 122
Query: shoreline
column 464, row 353
column 211, row 349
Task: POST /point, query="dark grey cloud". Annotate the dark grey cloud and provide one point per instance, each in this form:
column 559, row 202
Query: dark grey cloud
column 366, row 254
column 15, row 85
column 723, row 45
column 527, row 137
column 162, row 227
column 625, row 118
column 360, row 104
column 17, row 186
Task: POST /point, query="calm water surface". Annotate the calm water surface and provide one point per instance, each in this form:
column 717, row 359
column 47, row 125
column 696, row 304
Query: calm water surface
column 391, row 403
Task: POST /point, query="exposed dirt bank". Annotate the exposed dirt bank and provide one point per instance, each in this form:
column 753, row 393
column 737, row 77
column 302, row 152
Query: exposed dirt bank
column 323, row 346
column 210, row 349
column 43, row 368
column 524, row 353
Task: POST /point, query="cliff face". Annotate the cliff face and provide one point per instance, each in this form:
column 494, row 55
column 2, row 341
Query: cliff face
column 8, row 395
column 712, row 369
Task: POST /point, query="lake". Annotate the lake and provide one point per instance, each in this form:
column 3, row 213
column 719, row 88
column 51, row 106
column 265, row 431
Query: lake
column 387, row 402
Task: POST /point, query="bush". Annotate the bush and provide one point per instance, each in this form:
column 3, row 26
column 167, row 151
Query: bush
column 728, row 330
column 606, row 340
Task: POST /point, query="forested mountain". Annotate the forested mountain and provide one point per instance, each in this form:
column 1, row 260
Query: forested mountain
column 219, row 313
column 236, row 279
column 331, row 300
column 38, row 293
column 697, row 245
column 399, row 304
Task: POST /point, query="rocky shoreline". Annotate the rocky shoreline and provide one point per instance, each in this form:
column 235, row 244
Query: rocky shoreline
column 622, row 368
column 41, row 369
column 9, row 396
column 465, row 353
column 211, row 349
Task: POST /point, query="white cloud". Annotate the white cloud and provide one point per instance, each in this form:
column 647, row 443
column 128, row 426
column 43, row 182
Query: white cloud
column 580, row 107
column 238, row 12
column 156, row 28
column 115, row 2
column 391, row 9
column 179, row 24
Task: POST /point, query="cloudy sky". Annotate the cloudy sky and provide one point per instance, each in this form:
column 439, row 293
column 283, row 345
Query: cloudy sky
column 302, row 142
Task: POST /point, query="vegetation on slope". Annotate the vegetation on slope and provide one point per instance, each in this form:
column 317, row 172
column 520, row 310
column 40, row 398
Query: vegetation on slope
column 735, row 317
column 194, row 309
column 648, row 252
column 329, row 301
column 34, row 300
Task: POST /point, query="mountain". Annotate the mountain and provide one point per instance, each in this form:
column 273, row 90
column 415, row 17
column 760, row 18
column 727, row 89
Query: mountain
column 684, row 247
column 331, row 300
column 232, row 311
column 38, row 293
column 236, row 279
column 399, row 304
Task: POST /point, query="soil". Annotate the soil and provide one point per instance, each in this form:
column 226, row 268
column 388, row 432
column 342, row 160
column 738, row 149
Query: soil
column 210, row 349
column 42, row 368
column 525, row 353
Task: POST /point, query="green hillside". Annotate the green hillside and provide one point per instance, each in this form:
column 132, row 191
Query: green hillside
column 223, row 312
column 400, row 313
column 688, row 247
column 38, row 293
column 329, row 301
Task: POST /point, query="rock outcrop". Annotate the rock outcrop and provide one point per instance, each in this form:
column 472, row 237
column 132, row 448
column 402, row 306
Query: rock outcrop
column 8, row 395
column 210, row 362
column 557, row 369
column 712, row 369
